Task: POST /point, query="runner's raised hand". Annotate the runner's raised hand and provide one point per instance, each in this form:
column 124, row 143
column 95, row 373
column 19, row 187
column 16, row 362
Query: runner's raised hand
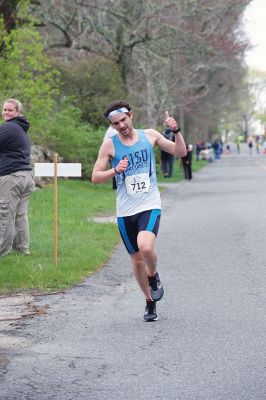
column 170, row 121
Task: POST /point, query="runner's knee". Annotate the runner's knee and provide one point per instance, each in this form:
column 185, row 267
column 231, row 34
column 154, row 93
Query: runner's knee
column 146, row 249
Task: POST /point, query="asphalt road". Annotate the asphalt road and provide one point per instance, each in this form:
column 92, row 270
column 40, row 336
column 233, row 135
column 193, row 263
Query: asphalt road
column 209, row 342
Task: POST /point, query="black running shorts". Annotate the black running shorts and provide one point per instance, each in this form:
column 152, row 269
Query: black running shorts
column 129, row 227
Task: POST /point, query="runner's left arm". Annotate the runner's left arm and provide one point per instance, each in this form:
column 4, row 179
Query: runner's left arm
column 177, row 148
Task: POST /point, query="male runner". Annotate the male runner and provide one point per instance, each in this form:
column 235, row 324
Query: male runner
column 137, row 197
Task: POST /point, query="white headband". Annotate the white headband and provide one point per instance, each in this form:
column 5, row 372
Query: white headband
column 118, row 111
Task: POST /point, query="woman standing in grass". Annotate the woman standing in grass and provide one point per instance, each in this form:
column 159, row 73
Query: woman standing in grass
column 137, row 196
column 16, row 179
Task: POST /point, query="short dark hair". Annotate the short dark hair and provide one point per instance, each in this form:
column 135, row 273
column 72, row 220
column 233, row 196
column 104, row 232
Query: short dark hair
column 115, row 105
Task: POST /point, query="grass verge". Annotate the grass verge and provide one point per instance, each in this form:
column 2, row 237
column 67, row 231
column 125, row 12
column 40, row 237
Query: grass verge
column 83, row 245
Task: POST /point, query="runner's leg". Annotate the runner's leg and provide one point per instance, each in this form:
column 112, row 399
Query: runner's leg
column 146, row 245
column 140, row 271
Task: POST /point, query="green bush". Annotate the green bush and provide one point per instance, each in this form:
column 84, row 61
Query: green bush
column 73, row 140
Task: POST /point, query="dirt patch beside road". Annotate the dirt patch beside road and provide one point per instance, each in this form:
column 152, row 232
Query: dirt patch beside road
column 13, row 310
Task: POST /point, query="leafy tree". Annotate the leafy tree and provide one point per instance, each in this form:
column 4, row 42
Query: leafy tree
column 8, row 11
column 257, row 87
column 172, row 54
column 27, row 74
column 93, row 84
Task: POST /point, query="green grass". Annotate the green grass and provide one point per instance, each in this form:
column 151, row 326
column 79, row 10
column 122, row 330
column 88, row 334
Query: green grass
column 83, row 245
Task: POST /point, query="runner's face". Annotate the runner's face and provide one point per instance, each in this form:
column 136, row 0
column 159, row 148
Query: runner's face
column 9, row 111
column 122, row 122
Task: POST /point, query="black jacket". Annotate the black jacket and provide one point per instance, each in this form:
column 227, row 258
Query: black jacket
column 168, row 134
column 14, row 146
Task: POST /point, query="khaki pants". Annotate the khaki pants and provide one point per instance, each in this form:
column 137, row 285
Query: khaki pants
column 15, row 190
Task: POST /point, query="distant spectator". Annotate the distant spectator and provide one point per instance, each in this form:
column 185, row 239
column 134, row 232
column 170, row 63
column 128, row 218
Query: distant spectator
column 228, row 149
column 167, row 160
column 217, row 147
column 258, row 144
column 187, row 163
column 199, row 147
column 250, row 145
column 238, row 141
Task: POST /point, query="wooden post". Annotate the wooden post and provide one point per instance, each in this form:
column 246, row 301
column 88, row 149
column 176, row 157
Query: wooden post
column 55, row 210
column 56, row 170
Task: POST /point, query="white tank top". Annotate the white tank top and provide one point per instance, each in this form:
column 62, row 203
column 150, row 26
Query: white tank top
column 137, row 188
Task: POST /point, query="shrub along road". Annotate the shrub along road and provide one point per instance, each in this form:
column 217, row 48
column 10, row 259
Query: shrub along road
column 209, row 343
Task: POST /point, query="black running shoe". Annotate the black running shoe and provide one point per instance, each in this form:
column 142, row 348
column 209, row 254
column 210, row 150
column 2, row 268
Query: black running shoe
column 156, row 287
column 150, row 312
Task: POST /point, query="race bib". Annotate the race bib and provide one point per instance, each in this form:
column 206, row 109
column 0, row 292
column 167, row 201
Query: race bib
column 137, row 183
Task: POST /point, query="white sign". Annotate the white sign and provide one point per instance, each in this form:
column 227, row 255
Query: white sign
column 63, row 169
